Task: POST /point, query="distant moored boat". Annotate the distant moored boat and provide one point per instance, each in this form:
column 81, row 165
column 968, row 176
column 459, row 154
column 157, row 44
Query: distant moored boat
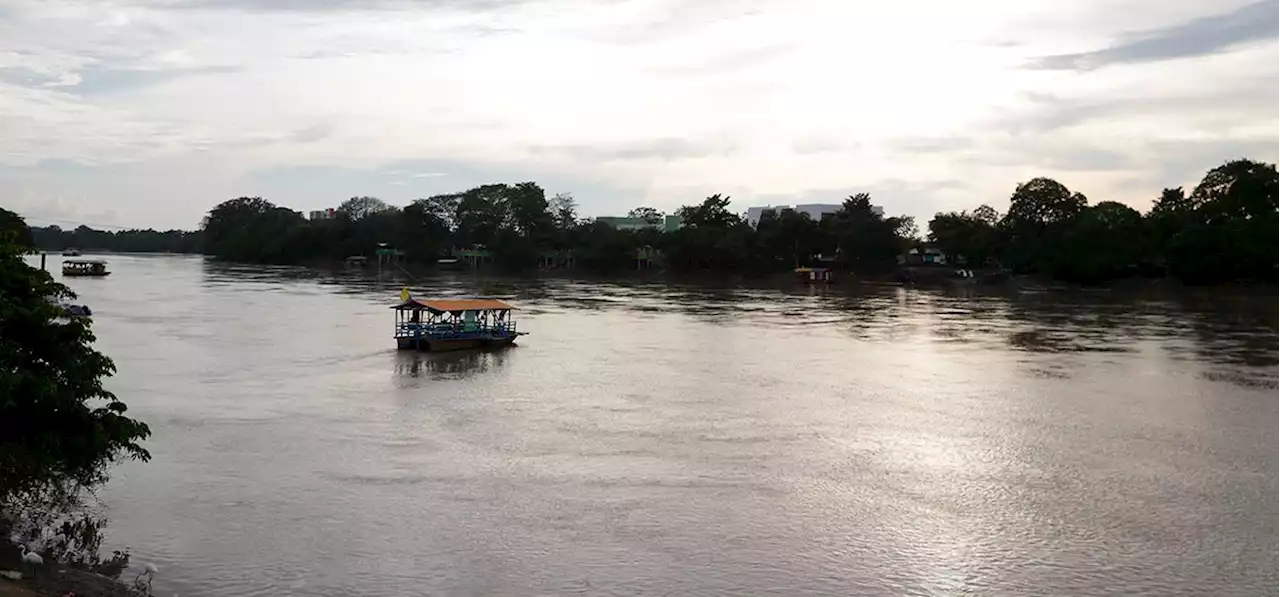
column 68, row 309
column 815, row 275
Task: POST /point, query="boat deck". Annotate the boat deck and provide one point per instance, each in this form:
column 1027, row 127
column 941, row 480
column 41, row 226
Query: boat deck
column 452, row 324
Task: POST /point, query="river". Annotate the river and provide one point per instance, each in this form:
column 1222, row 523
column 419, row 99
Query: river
column 655, row 439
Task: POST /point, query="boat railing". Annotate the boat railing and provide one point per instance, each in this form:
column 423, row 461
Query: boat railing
column 408, row 329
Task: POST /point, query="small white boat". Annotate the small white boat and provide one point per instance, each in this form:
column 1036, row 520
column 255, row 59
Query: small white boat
column 85, row 267
column 71, row 252
column 69, row 309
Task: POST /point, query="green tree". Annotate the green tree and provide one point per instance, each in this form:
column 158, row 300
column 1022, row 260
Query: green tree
column 528, row 227
column 120, row 241
column 712, row 238
column 966, row 237
column 480, row 214
column 443, row 209
column 16, row 228
column 564, row 214
column 253, row 229
column 425, row 232
column 905, row 230
column 1172, row 213
column 1104, row 242
column 713, row 213
column 1032, row 230
column 58, row 425
column 865, row 240
column 1043, row 202
column 987, row 214
column 786, row 239
column 564, row 211
column 359, row 208
column 530, row 214
column 648, row 214
column 604, row 248
column 1229, row 231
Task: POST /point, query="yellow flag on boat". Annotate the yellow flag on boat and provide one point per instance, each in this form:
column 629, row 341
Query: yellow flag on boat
column 404, row 294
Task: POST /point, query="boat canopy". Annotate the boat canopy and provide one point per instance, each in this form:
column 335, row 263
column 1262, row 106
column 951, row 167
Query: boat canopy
column 453, row 305
column 84, row 261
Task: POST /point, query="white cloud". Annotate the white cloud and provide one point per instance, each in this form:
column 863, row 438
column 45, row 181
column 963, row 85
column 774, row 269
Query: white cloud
column 657, row 100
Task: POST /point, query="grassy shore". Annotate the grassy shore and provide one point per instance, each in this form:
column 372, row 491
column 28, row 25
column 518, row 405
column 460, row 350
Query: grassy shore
column 54, row 580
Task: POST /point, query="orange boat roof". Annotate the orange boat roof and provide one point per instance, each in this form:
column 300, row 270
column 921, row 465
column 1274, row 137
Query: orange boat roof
column 443, row 305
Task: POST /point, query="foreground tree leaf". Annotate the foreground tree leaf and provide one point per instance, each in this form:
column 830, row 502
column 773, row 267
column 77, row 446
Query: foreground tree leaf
column 58, row 424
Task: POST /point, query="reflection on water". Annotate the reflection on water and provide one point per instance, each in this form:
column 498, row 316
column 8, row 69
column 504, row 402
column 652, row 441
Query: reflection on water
column 450, row 365
column 685, row 439
column 1237, row 333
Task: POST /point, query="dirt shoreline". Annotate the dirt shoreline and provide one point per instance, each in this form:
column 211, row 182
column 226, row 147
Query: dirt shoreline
column 61, row 582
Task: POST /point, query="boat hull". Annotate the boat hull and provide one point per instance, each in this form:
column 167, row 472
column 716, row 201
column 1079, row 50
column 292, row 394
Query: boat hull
column 85, row 275
column 450, row 344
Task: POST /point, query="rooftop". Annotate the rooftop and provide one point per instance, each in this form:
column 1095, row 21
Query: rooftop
column 445, row 305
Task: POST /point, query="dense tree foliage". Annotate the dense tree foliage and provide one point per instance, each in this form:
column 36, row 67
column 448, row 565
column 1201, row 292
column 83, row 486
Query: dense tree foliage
column 864, row 239
column 54, row 238
column 513, row 222
column 12, row 225
column 520, row 228
column 968, row 236
column 1224, row 231
column 359, row 208
column 648, row 214
column 59, row 427
column 712, row 237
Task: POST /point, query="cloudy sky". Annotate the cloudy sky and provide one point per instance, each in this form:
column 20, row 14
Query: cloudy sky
column 148, row 112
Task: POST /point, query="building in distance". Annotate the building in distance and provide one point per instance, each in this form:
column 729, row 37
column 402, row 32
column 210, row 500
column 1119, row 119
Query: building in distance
column 815, row 211
column 668, row 223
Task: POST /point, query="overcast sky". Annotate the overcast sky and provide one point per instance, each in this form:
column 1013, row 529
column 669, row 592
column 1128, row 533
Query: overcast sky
column 148, row 112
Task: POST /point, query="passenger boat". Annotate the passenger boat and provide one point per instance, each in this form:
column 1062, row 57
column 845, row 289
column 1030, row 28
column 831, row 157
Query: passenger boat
column 815, row 275
column 85, row 267
column 453, row 324
column 71, row 252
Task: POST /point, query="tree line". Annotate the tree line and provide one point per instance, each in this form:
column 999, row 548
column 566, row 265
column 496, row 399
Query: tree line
column 117, row 241
column 1223, row 230
column 518, row 227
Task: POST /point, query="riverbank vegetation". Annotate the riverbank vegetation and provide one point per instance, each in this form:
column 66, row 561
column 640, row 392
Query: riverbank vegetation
column 516, row 227
column 60, row 428
column 1223, row 230
column 117, row 241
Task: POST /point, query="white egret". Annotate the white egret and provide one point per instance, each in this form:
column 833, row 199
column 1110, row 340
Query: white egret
column 31, row 559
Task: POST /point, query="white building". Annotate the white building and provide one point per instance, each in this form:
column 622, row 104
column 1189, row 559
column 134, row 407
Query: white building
column 755, row 213
column 322, row 214
column 815, row 211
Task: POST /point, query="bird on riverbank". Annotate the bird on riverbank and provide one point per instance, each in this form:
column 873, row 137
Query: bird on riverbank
column 143, row 581
column 31, row 559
